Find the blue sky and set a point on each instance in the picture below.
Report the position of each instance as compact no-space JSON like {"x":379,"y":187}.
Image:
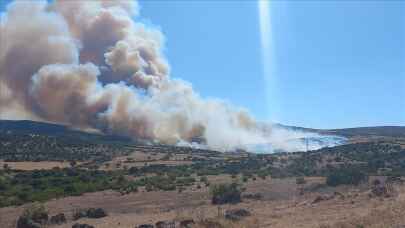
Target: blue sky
{"x":335,"y":63}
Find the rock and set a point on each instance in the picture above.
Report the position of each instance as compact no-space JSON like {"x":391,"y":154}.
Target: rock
{"x":96,"y":213}
{"x":186,"y":223}
{"x":145,"y":226}
{"x":165,"y":224}
{"x":24,"y":222}
{"x":58,"y":219}
{"x":77,"y":225}
{"x":236,"y":214}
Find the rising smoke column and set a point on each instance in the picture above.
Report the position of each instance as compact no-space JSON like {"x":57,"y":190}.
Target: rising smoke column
{"x":88,"y":64}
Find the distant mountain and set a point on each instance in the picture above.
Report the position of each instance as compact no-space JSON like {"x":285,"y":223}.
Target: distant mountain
{"x":31,"y":127}
{"x":385,"y":131}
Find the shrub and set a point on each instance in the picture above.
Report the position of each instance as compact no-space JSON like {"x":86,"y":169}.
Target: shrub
{"x":58,"y":219}
{"x":225,"y":193}
{"x":96,"y":213}
{"x":133,"y":170}
{"x":204,"y":179}
{"x":300,"y":180}
{"x":3,"y":184}
{"x":349,"y":176}
{"x":186,"y":181}
{"x":149,"y":187}
{"x":33,"y":216}
{"x":79,"y":213}
{"x":245,"y":179}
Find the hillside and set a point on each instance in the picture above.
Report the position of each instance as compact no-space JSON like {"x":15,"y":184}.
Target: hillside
{"x":36,"y":141}
{"x":26,"y":127}
{"x":387,"y":131}
{"x":70,"y":170}
{"x":382,"y":131}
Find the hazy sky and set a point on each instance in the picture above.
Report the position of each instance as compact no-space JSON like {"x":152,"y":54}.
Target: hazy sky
{"x":335,"y":64}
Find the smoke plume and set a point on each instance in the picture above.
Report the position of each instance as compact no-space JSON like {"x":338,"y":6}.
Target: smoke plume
{"x":89,"y":64}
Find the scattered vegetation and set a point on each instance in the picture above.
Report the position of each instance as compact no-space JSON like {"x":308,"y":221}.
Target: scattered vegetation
{"x":34,"y":216}
{"x":51,"y":148}
{"x":347,"y":176}
{"x":346,"y":164}
{"x":225,"y":193}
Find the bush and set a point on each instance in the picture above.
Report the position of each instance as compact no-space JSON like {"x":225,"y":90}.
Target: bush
{"x":245,"y":179}
{"x":133,"y":171}
{"x":300,"y":180}
{"x":186,"y":181}
{"x":347,"y":176}
{"x":149,"y":187}
{"x":36,"y":212}
{"x":79,"y":213}
{"x":204,"y":179}
{"x":89,"y":213}
{"x":96,"y":213}
{"x":225,"y":193}
{"x":33,"y":216}
{"x":58,"y":219}
{"x":3,"y":184}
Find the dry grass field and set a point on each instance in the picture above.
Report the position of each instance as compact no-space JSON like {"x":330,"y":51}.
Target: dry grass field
{"x":146,"y":195}
{"x":28,"y":165}
{"x":282,"y":206}
{"x":139,"y":158}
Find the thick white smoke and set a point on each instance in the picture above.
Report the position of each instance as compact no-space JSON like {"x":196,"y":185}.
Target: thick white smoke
{"x":88,"y":64}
